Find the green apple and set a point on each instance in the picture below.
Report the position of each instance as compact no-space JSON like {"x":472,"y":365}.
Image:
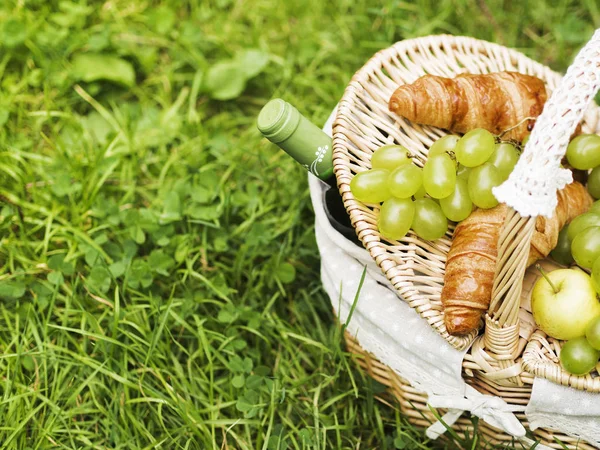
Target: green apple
{"x":564,"y":302}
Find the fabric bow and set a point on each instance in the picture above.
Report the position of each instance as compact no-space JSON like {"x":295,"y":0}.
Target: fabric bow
{"x":493,"y":410}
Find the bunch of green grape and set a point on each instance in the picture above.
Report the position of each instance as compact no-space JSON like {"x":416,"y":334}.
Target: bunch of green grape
{"x":459,"y":174}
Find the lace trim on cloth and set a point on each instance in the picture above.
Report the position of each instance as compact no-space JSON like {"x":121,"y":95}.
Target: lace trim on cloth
{"x":531,"y":187}
{"x":573,"y":426}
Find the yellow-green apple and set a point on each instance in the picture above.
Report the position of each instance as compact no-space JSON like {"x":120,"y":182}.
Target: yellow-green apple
{"x":563,"y":303}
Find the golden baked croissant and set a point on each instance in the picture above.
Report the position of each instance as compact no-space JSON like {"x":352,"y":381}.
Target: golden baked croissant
{"x":495,"y":101}
{"x":471,"y":261}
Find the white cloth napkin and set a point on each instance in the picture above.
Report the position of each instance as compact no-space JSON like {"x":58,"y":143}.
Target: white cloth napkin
{"x":565,"y":409}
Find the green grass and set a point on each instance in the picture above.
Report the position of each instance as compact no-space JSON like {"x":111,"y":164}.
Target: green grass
{"x":158,"y":269}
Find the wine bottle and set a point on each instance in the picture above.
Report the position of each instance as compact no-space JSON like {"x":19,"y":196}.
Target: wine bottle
{"x":310,"y":146}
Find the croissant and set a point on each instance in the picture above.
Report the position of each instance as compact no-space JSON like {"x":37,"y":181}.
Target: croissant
{"x":471,"y":261}
{"x":495,"y":101}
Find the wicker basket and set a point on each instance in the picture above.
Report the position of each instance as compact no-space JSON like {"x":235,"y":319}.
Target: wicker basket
{"x":505,"y":358}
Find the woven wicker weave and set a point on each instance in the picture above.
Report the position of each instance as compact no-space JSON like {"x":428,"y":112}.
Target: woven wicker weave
{"x":495,"y":362}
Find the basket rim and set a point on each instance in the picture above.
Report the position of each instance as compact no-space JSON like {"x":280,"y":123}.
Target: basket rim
{"x":372,"y":241}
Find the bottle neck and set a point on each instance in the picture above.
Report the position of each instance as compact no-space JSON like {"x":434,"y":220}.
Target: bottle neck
{"x":283,"y":125}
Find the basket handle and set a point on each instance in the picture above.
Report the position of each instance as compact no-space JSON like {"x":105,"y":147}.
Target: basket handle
{"x":531,"y":187}
{"x":531,"y":190}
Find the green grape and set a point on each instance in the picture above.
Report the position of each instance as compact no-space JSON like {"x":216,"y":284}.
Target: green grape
{"x":420,"y":193}
{"x":596,"y":275}
{"x":562,"y":252}
{"x":525,"y":141}
{"x":463,"y":172}
{"x":583,"y":221}
{"x":439,"y":176}
{"x":405,"y":181}
{"x":592,"y":332}
{"x":443,"y":145}
{"x":583,"y":152}
{"x":595,"y":208}
{"x":389,"y":157}
{"x":593,"y":183}
{"x":585,"y":248}
{"x":395,"y":217}
{"x":578,"y":357}
{"x":371,"y":186}
{"x":481,"y":181}
{"x":504,"y":158}
{"x":429,"y":221}
{"x":458,"y":205}
{"x":475,"y":147}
